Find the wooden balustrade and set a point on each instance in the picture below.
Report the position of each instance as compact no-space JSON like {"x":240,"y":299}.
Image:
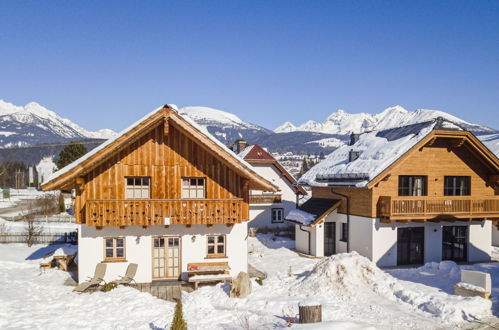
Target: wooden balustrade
{"x":422,"y":207}
{"x":265,"y":199}
{"x":150,"y":212}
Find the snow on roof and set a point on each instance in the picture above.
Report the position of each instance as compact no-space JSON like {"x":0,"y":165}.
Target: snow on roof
{"x":96,"y":150}
{"x":297,"y":215}
{"x":376,"y":151}
{"x":245,"y":152}
{"x":491,"y":142}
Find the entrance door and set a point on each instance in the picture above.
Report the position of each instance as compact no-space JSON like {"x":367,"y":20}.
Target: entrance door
{"x":455,"y":243}
{"x":410,"y":246}
{"x":166,"y":257}
{"x":329,"y":238}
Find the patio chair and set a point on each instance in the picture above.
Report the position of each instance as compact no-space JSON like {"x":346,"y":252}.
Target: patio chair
{"x":129,"y":276}
{"x":100,"y":271}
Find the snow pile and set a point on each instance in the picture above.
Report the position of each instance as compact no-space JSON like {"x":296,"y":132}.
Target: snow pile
{"x":300,"y":216}
{"x":350,"y":274}
{"x":67,"y":250}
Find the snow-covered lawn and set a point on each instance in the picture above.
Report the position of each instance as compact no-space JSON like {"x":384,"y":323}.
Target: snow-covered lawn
{"x":355,"y":294}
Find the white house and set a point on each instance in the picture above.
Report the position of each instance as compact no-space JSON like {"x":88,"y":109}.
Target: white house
{"x":267,"y":209}
{"x":409,"y":195}
{"x":163,"y":194}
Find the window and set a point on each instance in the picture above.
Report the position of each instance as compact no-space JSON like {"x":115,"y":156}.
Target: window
{"x":344,"y":232}
{"x":114,"y":249}
{"x":138,"y":187}
{"x":457,"y":186}
{"x":410,"y":185}
{"x":216,"y":246}
{"x":277,"y":215}
{"x":193,"y":188}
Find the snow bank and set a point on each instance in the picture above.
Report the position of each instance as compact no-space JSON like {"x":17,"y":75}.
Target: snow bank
{"x":349,"y":274}
{"x":300,"y":216}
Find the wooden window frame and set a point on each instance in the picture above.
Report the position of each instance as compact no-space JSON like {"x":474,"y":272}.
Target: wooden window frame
{"x":343,"y":232}
{"x":190,"y":189}
{"x":272,"y":219}
{"x":408,"y":188}
{"x":216,"y":255}
{"x":468,"y":182}
{"x":114,"y":258}
{"x":142,"y":185}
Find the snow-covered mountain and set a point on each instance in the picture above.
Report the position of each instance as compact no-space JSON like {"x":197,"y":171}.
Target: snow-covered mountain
{"x":225,"y":126}
{"x":341,"y":122}
{"x":33,"y":124}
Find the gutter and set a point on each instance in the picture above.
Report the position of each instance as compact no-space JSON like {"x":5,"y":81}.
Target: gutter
{"x":348,"y":216}
{"x":300,"y":225}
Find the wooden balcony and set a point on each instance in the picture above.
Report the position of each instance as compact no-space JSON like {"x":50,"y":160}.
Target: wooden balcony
{"x":265,"y":199}
{"x":425,"y":207}
{"x":150,"y":212}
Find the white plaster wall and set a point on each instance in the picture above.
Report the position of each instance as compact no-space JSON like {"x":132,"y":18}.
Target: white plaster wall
{"x":301,"y":239}
{"x":260,"y":214}
{"x":138,"y":248}
{"x":480,"y":241}
{"x":495,"y":236}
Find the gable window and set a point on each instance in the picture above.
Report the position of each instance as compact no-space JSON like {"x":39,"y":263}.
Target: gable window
{"x":344,"y":232}
{"x":137,"y":187}
{"x":216,"y":246}
{"x":412,"y":185}
{"x":114,"y":248}
{"x":277,"y":215}
{"x":457,"y":185}
{"x":193,"y":188}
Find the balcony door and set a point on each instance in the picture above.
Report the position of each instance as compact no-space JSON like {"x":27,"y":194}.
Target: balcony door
{"x":166,"y":258}
{"x":455,"y":243}
{"x":410,"y":246}
{"x":329,"y":238}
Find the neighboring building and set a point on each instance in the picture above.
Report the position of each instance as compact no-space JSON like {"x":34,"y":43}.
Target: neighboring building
{"x":267,"y":208}
{"x":407,"y":195}
{"x":162,"y":194}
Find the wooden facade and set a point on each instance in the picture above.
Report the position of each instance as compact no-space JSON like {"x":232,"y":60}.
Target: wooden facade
{"x":165,"y":149}
{"x":442,"y":153}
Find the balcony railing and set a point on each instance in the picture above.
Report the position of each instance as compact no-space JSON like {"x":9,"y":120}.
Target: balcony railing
{"x":145,"y":212}
{"x":265,"y":199}
{"x":425,"y":207}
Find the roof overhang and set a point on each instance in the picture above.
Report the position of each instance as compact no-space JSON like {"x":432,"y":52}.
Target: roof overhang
{"x":66,"y":178}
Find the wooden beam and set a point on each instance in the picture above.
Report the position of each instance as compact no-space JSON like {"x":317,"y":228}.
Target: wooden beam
{"x":188,"y":226}
{"x":98,"y":227}
{"x":122,"y":227}
{"x":385,"y":220}
{"x":434,"y":220}
{"x":167,"y":226}
{"x":230,"y":225}
{"x":419,"y":220}
{"x":144,"y":227}
{"x":209,"y":225}
{"x":166,"y":126}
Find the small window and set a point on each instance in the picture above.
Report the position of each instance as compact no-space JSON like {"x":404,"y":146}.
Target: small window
{"x":216,"y":245}
{"x":137,"y":187}
{"x":114,"y":248}
{"x":411,"y":185}
{"x":193,"y":188}
{"x":344,"y":232}
{"x":457,"y":186}
{"x":277,"y":215}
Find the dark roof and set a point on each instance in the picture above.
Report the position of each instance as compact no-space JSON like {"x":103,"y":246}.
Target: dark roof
{"x":318,"y":206}
{"x":257,"y":153}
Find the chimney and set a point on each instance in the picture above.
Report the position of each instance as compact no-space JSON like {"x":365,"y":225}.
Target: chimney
{"x":353,"y":155}
{"x":354,"y":138}
{"x":240,"y":145}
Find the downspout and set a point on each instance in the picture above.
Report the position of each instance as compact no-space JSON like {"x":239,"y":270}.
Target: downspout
{"x":348,"y":216}
{"x":306,"y":231}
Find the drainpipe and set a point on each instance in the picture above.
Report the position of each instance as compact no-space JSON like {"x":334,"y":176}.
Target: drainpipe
{"x":348,"y":215}
{"x":306,"y":231}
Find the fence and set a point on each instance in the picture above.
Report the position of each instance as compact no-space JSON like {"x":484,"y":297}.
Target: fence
{"x":71,"y":237}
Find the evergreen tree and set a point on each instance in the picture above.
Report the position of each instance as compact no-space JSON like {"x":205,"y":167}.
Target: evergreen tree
{"x":304,"y":167}
{"x":13,"y":174}
{"x":70,"y":153}
{"x":178,"y":322}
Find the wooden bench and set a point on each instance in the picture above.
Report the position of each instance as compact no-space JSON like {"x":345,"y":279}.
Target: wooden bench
{"x":203,"y":272}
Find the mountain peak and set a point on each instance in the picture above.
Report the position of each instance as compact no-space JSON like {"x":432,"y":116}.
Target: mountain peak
{"x":285,"y":128}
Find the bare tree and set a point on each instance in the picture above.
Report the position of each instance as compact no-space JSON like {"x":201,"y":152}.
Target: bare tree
{"x":32,"y":228}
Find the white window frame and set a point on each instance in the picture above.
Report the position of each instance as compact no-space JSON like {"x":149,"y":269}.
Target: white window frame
{"x":277,"y":215}
{"x":140,"y":187}
{"x":194,"y":187}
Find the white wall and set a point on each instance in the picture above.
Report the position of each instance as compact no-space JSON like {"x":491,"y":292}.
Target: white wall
{"x":138,"y":248}
{"x":260,"y":214}
{"x":495,"y":236}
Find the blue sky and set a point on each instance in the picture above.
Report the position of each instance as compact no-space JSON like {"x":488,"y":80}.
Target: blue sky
{"x":106,"y":63}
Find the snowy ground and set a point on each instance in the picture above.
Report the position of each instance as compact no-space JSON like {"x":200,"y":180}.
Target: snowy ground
{"x":18,"y":227}
{"x":354,"y":293}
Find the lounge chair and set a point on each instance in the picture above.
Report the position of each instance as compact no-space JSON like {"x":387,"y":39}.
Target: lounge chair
{"x":100,"y":271}
{"x":130,"y":274}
